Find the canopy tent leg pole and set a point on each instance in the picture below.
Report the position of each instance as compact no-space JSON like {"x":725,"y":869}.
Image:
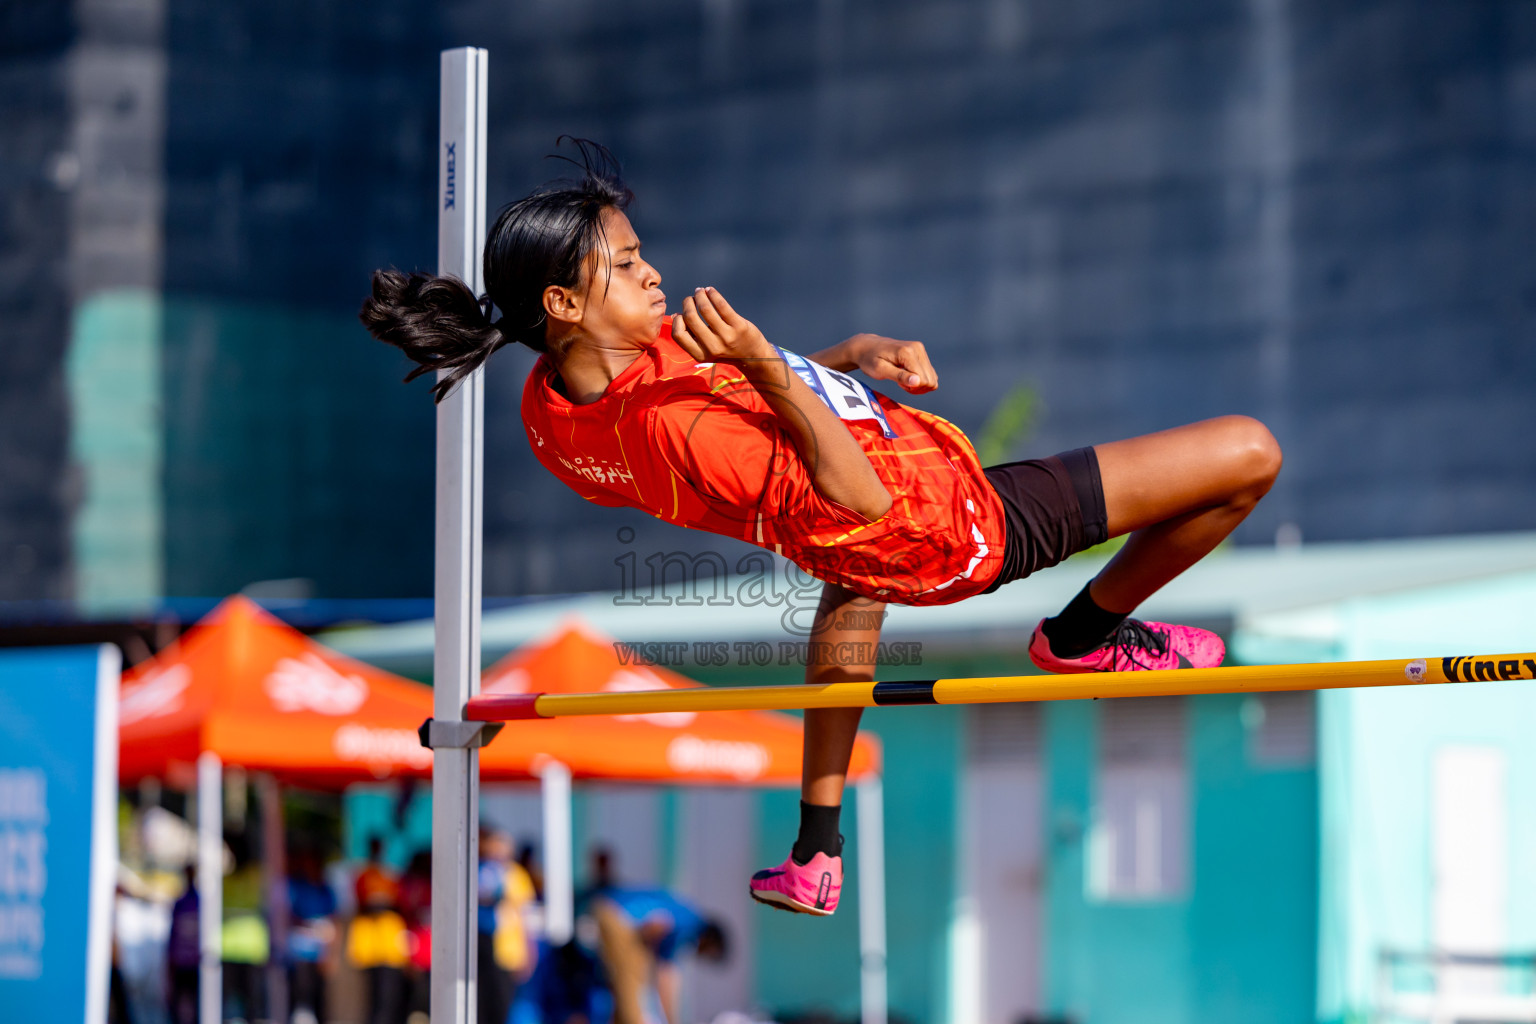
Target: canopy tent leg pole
{"x":210,"y":887}
{"x":559,"y":881}
{"x":104,"y":848}
{"x":456,"y":589}
{"x":871,"y":837}
{"x":275,"y":871}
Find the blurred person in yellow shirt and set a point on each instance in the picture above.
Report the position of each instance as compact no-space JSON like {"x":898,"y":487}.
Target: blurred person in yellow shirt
{"x":377,"y":941}
{"x":514,"y":945}
{"x":505,"y":955}
{"x":245,"y":943}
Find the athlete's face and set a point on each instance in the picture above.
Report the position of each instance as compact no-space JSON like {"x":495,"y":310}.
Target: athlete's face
{"x":624,"y":300}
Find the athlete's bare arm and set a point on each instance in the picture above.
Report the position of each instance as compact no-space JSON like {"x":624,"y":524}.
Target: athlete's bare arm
{"x":881,"y":358}
{"x":710,"y":330}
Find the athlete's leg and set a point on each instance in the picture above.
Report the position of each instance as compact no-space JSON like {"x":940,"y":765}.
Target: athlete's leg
{"x":1179,"y":493}
{"x":844,"y":639}
{"x":846,"y":625}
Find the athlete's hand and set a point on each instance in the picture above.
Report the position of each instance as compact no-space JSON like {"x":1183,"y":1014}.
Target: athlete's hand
{"x":711,"y":331}
{"x":905,"y":362}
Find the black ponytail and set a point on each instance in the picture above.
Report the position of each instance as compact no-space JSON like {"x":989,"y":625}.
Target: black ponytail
{"x":541,"y":240}
{"x":437,"y":321}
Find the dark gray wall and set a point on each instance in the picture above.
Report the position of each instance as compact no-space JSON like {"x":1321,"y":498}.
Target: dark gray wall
{"x":34,"y":300}
{"x":299,"y":156}
{"x":1415,"y":285}
{"x":1151,"y":211}
{"x":1319,"y":214}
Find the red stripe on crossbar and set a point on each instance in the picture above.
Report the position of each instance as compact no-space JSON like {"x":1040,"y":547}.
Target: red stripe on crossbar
{"x":502,"y":707}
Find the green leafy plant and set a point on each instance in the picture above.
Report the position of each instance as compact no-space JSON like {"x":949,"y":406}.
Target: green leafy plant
{"x":1009,"y":423}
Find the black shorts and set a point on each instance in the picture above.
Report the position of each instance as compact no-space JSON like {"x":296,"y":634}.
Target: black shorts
{"x":1053,"y":507}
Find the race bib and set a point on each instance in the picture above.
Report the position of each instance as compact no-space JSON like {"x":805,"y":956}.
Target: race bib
{"x":850,"y":399}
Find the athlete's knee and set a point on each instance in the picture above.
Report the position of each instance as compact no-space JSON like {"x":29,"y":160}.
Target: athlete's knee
{"x":1254,"y":453}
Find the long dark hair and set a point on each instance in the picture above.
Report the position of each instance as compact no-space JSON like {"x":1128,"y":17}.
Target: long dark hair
{"x":541,"y":240}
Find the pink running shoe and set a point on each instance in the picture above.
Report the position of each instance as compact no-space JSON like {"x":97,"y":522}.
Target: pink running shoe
{"x":1136,"y":647}
{"x":802,"y":888}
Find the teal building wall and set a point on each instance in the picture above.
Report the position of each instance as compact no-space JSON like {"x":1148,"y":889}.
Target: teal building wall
{"x":1240,"y":945}
{"x":1377,"y":750}
{"x":1253,"y":918}
{"x":1102,"y":962}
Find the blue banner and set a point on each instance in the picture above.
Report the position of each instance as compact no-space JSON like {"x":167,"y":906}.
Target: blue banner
{"x":58,"y":837}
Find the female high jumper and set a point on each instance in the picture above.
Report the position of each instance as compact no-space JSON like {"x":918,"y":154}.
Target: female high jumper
{"x":699,"y":420}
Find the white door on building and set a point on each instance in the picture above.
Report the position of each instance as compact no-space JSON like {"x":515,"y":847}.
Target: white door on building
{"x":1138,"y":843}
{"x":1470,"y":844}
{"x":996,"y":965}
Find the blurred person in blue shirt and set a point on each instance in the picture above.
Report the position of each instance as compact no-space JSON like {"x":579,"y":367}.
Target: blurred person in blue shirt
{"x":641,"y":933}
{"x":563,"y":989}
{"x":183,"y":952}
{"x":311,"y":934}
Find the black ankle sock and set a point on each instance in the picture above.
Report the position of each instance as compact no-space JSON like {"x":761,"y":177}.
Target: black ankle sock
{"x":1081,"y":626}
{"x":818,"y":833}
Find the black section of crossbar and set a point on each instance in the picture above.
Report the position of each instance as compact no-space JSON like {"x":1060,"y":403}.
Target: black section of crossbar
{"x":907,"y":691}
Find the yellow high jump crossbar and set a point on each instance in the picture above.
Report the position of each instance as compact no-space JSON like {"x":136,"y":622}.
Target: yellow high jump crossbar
{"x":504,"y":707}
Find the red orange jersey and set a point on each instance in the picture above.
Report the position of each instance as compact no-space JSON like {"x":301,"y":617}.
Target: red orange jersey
{"x":695,"y":444}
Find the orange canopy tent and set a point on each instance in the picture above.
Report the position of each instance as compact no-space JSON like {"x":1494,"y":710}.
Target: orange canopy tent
{"x":247,"y":687}
{"x":759,"y":748}
{"x":243,"y":688}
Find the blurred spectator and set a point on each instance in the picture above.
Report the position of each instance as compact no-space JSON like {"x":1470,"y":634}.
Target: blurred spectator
{"x":375,"y":885}
{"x":141,"y":924}
{"x":183,"y":952}
{"x":415,"y":889}
{"x":641,"y":932}
{"x":311,"y":935}
{"x":563,"y":986}
{"x":119,"y":1005}
{"x":600,"y":875}
{"x":378,"y":946}
{"x":515,"y":946}
{"x":416,"y":909}
{"x":245,"y":944}
{"x":505,"y":892}
{"x":528,"y":859}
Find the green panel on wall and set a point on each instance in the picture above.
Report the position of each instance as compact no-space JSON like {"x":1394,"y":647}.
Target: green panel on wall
{"x":292,"y":452}
{"x":117,"y":448}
